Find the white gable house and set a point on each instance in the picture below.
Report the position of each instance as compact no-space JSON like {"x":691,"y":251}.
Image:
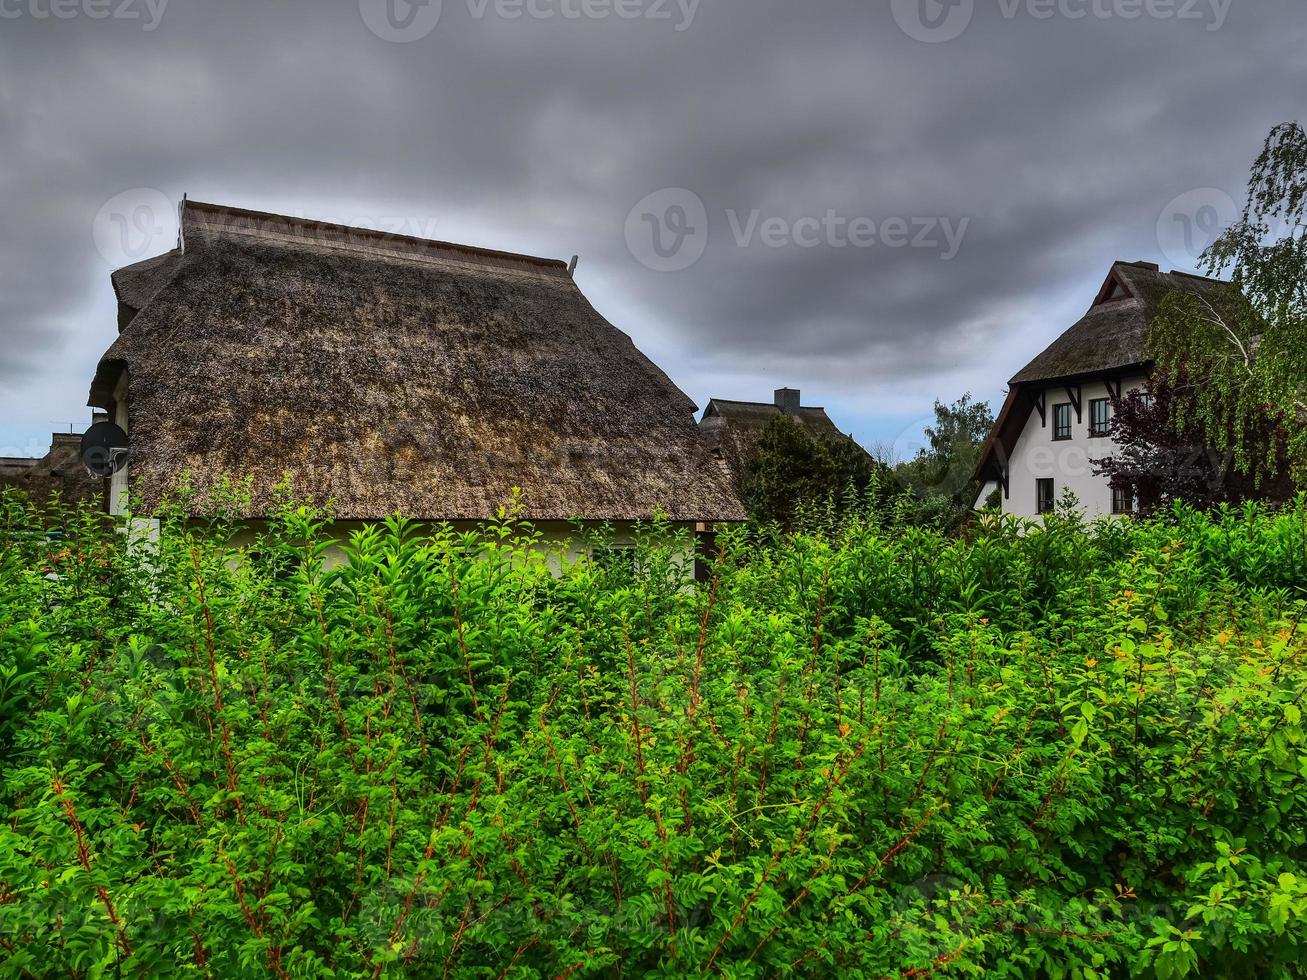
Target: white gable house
{"x":1057,"y":418}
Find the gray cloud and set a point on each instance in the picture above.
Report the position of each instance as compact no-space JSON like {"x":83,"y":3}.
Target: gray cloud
{"x":1061,"y":140}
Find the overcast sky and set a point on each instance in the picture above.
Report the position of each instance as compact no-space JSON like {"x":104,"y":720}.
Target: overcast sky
{"x":881,"y":202}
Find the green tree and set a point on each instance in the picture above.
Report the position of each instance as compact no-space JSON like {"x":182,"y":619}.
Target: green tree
{"x":796,"y":470}
{"x":1158,"y":464}
{"x":1246,"y":354}
{"x":945,"y":468}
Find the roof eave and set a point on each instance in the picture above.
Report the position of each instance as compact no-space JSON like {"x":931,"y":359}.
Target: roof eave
{"x":1081,"y":377}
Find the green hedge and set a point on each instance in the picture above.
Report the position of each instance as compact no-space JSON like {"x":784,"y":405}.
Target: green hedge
{"x":1074,"y":751}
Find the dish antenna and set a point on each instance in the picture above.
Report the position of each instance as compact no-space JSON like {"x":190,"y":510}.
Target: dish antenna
{"x":104,"y":449}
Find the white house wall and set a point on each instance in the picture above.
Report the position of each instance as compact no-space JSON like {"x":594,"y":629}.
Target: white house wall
{"x":118,"y":482}
{"x":558,"y":540}
{"x":1068,"y":462}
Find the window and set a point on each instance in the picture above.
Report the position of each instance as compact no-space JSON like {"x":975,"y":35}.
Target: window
{"x":1044,"y":496}
{"x":1062,"y":421}
{"x":1100,"y":418}
{"x":1123,"y":501}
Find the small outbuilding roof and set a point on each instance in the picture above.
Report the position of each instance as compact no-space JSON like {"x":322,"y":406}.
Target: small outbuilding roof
{"x":393,"y":374}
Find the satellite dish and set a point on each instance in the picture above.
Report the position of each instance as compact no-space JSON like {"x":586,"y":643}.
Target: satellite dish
{"x":104,"y":449}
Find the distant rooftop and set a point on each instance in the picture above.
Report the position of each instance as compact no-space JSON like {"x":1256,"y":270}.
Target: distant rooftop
{"x":733,"y":429}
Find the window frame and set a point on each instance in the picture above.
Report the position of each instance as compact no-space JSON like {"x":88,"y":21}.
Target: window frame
{"x":1105,"y":432}
{"x":1120,"y":496}
{"x":1070,"y":422}
{"x":1040,"y":507}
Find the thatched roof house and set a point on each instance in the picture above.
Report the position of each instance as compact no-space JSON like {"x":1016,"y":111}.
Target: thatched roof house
{"x":391,"y":374}
{"x":734,"y":429}
{"x":1053,"y":399}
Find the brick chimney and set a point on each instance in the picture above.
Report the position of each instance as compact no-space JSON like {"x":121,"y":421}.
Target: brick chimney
{"x":787,"y":400}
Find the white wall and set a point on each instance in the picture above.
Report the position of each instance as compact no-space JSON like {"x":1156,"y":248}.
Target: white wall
{"x":1067,"y":462}
{"x":558,"y":539}
{"x":118,"y":482}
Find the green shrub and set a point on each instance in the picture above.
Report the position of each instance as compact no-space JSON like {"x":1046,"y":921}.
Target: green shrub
{"x":1071,"y":752}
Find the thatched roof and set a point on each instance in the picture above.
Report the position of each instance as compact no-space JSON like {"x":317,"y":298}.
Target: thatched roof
{"x":392,"y":374}
{"x":733,"y":429}
{"x":1108,"y":341}
{"x":1110,"y":337}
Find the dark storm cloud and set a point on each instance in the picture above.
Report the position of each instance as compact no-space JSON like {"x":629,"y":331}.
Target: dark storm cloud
{"x":1059,"y":140}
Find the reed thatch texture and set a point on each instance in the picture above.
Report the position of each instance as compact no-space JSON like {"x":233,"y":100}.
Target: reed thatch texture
{"x":390,"y":374}
{"x":1111,"y":336}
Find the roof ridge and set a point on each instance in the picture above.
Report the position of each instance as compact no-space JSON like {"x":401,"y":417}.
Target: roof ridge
{"x":737,"y":401}
{"x":1196,"y":276}
{"x":270,"y":225}
{"x":1154,"y":267}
